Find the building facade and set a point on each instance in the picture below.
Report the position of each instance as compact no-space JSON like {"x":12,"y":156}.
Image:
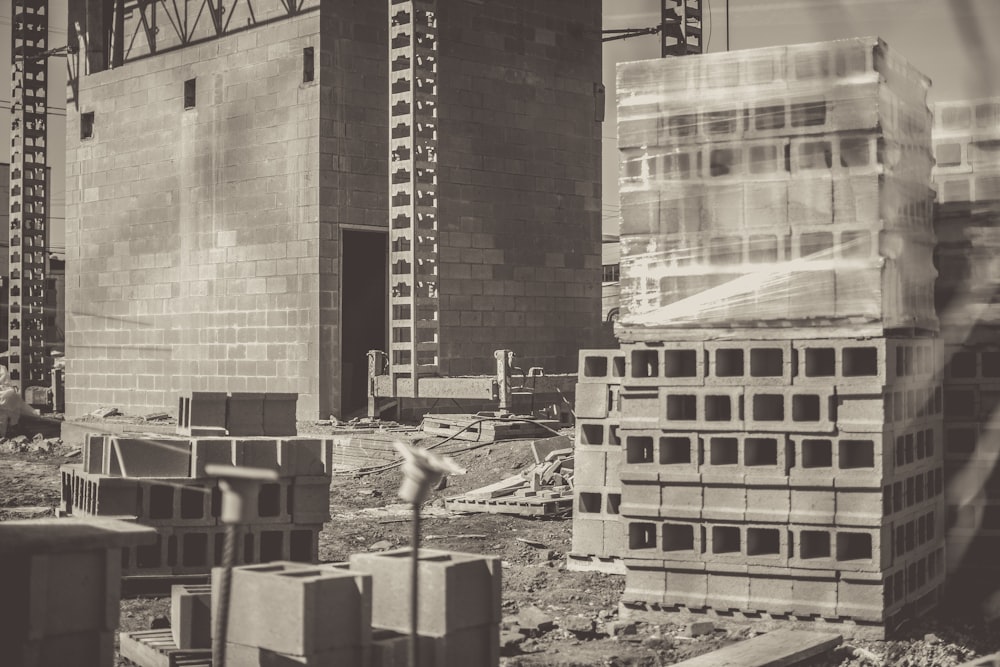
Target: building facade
{"x":228,"y":199}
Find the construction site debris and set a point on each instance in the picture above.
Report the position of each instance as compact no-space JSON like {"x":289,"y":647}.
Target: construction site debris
{"x":545,"y":489}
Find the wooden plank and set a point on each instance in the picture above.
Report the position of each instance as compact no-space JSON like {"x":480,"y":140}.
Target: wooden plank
{"x":781,"y":648}
{"x":504,"y":487}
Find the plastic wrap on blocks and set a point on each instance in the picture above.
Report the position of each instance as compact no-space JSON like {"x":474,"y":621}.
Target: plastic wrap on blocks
{"x":457,"y":590}
{"x":659,"y":92}
{"x":311,"y":609}
{"x":772,"y":190}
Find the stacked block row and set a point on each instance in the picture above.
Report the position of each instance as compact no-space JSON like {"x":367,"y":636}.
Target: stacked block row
{"x":61,"y":582}
{"x":793,"y":186}
{"x":161,"y":482}
{"x":967,"y":216}
{"x":597,"y":528}
{"x":354,"y":613}
{"x":750,"y":465}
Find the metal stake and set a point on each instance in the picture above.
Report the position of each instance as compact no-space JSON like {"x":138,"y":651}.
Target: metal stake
{"x":240,"y":490}
{"x":414,"y":590}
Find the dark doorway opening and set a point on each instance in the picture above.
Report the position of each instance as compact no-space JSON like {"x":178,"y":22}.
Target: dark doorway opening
{"x":364,"y":308}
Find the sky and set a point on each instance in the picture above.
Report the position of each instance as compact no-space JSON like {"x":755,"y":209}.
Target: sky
{"x":951,"y":41}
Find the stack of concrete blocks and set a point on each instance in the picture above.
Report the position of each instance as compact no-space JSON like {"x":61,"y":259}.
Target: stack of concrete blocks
{"x":160,"y":481}
{"x":967,"y":224}
{"x":354,"y":613}
{"x":598,"y":534}
{"x":779,"y":417}
{"x":61,"y":583}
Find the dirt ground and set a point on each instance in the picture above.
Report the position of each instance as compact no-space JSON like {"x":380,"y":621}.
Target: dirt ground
{"x":582,"y":608}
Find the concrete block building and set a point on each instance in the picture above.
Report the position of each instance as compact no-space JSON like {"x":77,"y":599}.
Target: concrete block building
{"x":228,"y":197}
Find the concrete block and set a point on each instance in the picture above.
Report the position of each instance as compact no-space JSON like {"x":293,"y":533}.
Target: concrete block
{"x":391,"y":649}
{"x":814,"y":506}
{"x":588,"y":535}
{"x":766,"y":503}
{"x":640,"y":409}
{"x":789,"y":410}
{"x":310,"y":499}
{"x":773,"y":594}
{"x":642,"y":539}
{"x":861,"y":599}
{"x":305,"y":456}
{"x":592,"y":400}
{"x":754,"y":362}
{"x":686,"y":585}
{"x":200,"y":409}
{"x":191,"y":616}
{"x":641,"y":498}
{"x":93,"y":452}
{"x":665,"y":364}
{"x":724,"y":503}
{"x":152,"y":457}
{"x":680,"y":501}
{"x":457,"y":590}
{"x":589,"y":467}
{"x":614,"y":538}
{"x":257,"y":452}
{"x":815,"y":596}
{"x":601,"y":366}
{"x":77,"y":648}
{"x":100,"y":495}
{"x":311,"y":609}
{"x":602,"y":433}
{"x":645,"y":581}
{"x":469,"y":646}
{"x":279,"y":414}
{"x":702,"y":408}
{"x":859,"y":507}
{"x":205,"y":451}
{"x":728,"y":591}
{"x":682,"y":541}
{"x":238,"y":655}
{"x":245,"y":414}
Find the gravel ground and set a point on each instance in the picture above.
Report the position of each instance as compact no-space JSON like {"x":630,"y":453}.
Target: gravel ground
{"x":553,"y":617}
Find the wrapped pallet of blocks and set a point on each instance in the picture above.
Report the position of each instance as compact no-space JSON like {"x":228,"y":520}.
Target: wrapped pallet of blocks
{"x":777,"y":420}
{"x":967,"y":222}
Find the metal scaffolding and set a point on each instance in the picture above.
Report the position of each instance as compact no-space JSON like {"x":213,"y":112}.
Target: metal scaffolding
{"x":28,"y":363}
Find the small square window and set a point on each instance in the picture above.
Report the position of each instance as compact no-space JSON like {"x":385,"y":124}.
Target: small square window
{"x":189,"y":94}
{"x":86,"y":125}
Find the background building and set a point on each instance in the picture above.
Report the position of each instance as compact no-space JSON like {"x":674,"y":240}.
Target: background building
{"x":228,"y":208}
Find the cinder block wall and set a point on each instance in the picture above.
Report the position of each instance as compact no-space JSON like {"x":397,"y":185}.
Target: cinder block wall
{"x":519,"y":181}
{"x":193,"y":234}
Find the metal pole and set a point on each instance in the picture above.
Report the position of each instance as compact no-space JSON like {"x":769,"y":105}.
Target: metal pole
{"x":222,"y":616}
{"x":414,"y":590}
{"x":727,"y":25}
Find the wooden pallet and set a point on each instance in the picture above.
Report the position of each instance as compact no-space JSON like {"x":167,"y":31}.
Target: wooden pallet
{"x":156,"y":648}
{"x":586,"y":563}
{"x":545,"y":503}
